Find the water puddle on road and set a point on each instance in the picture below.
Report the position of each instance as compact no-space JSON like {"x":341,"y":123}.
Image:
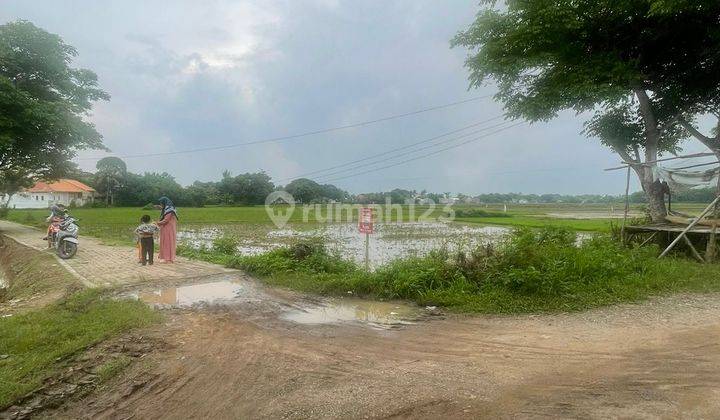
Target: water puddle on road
{"x":382,"y":315}
{"x":234,"y":292}
{"x":216,"y":292}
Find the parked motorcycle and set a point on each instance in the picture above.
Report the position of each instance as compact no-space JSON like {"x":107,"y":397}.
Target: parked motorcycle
{"x":63,"y":236}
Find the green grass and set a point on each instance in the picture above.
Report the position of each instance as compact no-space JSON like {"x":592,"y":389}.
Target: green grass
{"x":116,"y":225}
{"x":39,"y":342}
{"x":534,"y":271}
{"x":590,"y":225}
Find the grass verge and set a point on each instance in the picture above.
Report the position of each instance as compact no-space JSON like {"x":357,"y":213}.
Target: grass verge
{"x":586,"y":225}
{"x":35,"y":344}
{"x":533,"y":271}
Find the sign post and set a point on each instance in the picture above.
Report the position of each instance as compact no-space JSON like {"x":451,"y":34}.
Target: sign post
{"x":365,"y":225}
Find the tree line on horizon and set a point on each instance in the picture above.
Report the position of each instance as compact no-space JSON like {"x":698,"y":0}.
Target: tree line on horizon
{"x":118,"y":187}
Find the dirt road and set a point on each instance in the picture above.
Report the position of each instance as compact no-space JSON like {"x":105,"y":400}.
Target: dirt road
{"x":244,"y":359}
{"x":657,"y":360}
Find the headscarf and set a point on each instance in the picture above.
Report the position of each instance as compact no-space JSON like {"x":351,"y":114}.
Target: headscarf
{"x":168,"y":207}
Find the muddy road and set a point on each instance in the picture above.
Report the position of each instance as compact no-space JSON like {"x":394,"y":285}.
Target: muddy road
{"x":247,"y":356}
{"x":233,"y":348}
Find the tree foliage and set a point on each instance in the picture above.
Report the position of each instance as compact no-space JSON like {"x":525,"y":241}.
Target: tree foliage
{"x":308,"y":191}
{"x":111,"y":172}
{"x":638,"y":66}
{"x":248,"y":188}
{"x":43,"y":104}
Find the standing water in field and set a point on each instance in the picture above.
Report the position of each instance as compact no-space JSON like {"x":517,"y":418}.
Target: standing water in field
{"x":389,"y":242}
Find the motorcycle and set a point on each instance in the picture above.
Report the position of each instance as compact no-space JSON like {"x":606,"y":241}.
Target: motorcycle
{"x":63,"y":236}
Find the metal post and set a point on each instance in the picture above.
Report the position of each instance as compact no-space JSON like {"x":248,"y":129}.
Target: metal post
{"x":367,"y":252}
{"x":690,"y":226}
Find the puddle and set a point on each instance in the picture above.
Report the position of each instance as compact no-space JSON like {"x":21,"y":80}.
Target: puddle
{"x":206,"y":293}
{"x":382,"y":315}
{"x":231,"y":291}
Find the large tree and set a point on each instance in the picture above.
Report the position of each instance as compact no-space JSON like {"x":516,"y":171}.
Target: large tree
{"x":247,"y":188}
{"x":43,"y":105}
{"x":643,"y":69}
{"x":110,"y":176}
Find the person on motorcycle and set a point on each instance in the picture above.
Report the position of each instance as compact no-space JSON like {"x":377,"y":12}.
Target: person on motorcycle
{"x":57,"y":214}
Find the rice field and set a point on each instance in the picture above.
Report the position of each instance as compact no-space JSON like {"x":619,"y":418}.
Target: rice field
{"x":404,"y":232}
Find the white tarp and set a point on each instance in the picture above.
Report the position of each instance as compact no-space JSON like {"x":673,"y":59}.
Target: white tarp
{"x":685,"y":179}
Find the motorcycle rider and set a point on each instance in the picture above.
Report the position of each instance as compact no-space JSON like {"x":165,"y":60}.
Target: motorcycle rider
{"x":57,"y":214}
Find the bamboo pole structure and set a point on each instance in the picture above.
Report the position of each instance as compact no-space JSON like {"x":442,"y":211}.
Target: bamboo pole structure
{"x":650,"y":162}
{"x":627,"y":205}
{"x":694,"y":251}
{"x":695,"y":166}
{"x":690,"y":226}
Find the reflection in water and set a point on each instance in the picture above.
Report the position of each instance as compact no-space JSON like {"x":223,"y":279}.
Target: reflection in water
{"x":197,"y":293}
{"x":390,"y":241}
{"x":330,"y":311}
{"x":378,"y":314}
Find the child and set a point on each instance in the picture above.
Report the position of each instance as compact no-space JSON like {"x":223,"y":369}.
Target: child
{"x":145,"y":234}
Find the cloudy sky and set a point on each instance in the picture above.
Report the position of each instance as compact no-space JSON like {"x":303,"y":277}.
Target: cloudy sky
{"x":190,"y":74}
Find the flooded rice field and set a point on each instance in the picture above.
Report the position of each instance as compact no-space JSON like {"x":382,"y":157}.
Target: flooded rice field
{"x":237,"y":291}
{"x":389,"y":242}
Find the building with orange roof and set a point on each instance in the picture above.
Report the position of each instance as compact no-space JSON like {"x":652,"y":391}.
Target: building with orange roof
{"x":68,"y":192}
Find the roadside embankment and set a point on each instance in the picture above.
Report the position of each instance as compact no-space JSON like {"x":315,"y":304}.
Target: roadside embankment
{"x":48,"y":320}
{"x":32,"y":279}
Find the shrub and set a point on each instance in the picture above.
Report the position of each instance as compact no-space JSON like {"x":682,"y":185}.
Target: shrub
{"x":226,"y":245}
{"x":305,"y":256}
{"x":531,"y":270}
{"x":548,"y":262}
{"x":415,"y":277}
{"x":4,"y":211}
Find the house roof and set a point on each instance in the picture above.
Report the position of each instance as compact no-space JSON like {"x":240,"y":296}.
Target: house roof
{"x":61,"y":185}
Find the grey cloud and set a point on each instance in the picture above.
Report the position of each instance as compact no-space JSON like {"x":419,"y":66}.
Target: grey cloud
{"x":188,"y":74}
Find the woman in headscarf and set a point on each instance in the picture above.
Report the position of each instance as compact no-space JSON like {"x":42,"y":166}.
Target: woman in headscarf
{"x":168,"y":230}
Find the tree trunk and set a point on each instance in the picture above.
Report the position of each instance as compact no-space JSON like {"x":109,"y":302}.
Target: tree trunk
{"x":655,"y":200}
{"x":651,"y":186}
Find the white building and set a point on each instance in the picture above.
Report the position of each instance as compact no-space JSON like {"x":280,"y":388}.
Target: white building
{"x":44,"y":194}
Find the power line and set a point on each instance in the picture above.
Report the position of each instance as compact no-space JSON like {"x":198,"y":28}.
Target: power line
{"x":428,"y":154}
{"x":519,"y":171}
{"x":401,"y":148}
{"x":304,"y":134}
{"x":430,"y":146}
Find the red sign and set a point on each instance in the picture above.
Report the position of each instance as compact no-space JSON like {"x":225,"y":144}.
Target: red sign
{"x":365,"y":225}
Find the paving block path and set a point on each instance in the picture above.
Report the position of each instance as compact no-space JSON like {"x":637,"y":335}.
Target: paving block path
{"x":98,"y":265}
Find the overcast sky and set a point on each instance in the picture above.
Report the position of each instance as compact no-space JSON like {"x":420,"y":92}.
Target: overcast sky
{"x":189,"y":74}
